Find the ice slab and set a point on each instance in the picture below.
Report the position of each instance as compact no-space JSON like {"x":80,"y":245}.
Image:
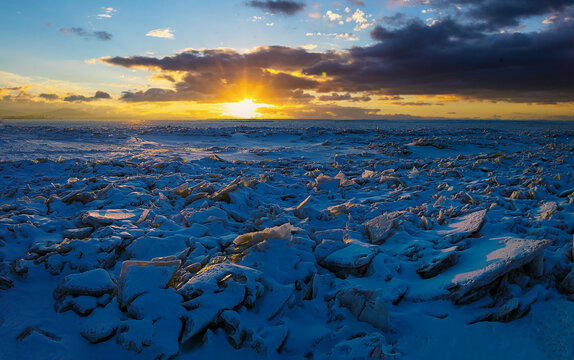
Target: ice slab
{"x":463,"y":226}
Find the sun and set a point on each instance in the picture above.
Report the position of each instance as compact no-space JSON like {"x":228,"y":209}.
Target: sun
{"x":244,"y":109}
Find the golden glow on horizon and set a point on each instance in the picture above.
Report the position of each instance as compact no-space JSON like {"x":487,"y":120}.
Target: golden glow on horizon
{"x":244,"y":109}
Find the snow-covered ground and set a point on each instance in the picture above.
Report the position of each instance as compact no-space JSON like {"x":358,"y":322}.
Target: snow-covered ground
{"x":257,"y":240}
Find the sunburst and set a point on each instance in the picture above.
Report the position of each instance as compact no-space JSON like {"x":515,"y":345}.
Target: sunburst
{"x":244,"y":109}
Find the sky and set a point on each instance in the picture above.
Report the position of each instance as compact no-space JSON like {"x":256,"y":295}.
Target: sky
{"x":347,"y":59}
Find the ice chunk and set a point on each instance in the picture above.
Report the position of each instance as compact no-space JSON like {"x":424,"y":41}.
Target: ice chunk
{"x":463,"y":226}
{"x":547,"y":209}
{"x":80,"y":233}
{"x":369,"y":346}
{"x":438,"y":264}
{"x":147,"y":248}
{"x":489,"y":259}
{"x":100,"y":326}
{"x":278,"y":232}
{"x":95,"y":282}
{"x":380,"y":228}
{"x":98,"y":218}
{"x":567,"y":284}
{"x":139,"y":277}
{"x":215,"y":288}
{"x":366,"y":305}
{"x":353,"y":258}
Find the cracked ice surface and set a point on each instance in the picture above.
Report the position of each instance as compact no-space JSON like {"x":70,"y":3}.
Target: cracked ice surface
{"x":258,"y":240}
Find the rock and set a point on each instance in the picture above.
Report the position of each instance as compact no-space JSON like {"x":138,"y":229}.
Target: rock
{"x":80,"y":233}
{"x":95,"y":283}
{"x":140,"y":277}
{"x":366,"y":305}
{"x":369,"y":346}
{"x":438,"y":264}
{"x":380,"y":228}
{"x":500,"y":256}
{"x":463,"y":226}
{"x":215,"y":288}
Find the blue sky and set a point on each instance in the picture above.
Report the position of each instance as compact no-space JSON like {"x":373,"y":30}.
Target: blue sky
{"x":58,"y":47}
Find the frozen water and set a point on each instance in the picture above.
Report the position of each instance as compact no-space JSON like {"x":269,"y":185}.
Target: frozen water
{"x":259,"y":240}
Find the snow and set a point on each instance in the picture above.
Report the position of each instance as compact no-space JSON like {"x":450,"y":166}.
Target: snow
{"x":258,"y":240}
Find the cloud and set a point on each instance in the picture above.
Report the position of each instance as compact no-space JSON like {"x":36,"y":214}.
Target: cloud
{"x":448,"y":58}
{"x":222,"y":75}
{"x":102,"y":95}
{"x":108,"y":13}
{"x":496,"y":14}
{"x":509,"y":12}
{"x":346,"y":97}
{"x":81,"y":98}
{"x":360,"y":20}
{"x":334,"y":17}
{"x":339,"y":36}
{"x":99,"y":35}
{"x":161,"y":33}
{"x":49,"y":96}
{"x":451,"y":58}
{"x":283,"y":7}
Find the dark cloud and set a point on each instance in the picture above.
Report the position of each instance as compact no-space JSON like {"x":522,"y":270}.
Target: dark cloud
{"x":398,"y":19}
{"x":81,"y":98}
{"x":451,"y":58}
{"x":414,"y":59}
{"x":99,"y":35}
{"x":49,"y":96}
{"x":347,"y":97}
{"x":497,"y":14}
{"x":102,"y":95}
{"x":223,"y":75}
{"x":509,"y":12}
{"x":221,"y":60}
{"x":278,"y":6}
